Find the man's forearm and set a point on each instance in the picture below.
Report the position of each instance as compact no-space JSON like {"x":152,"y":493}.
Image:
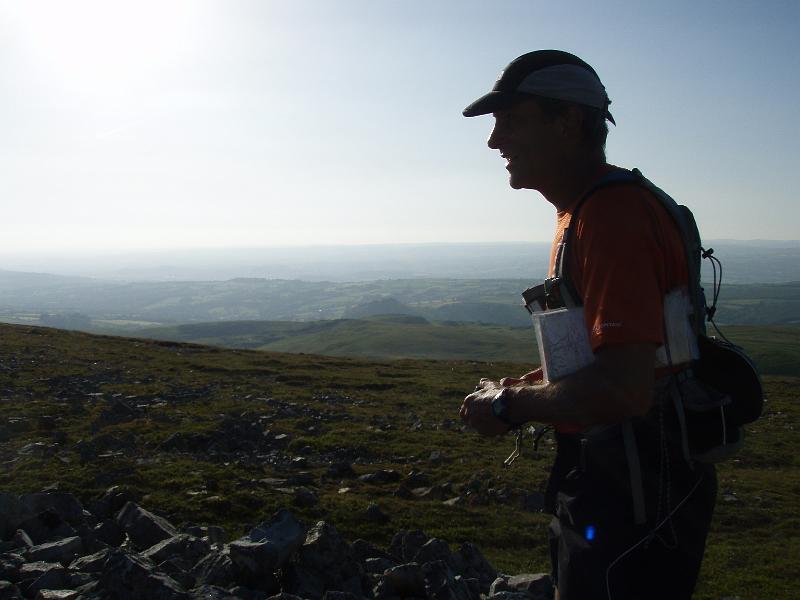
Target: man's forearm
{"x":614,"y":387}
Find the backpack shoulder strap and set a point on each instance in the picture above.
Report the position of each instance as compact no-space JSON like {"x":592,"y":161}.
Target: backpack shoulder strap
{"x":568,"y":291}
{"x":681,"y":216}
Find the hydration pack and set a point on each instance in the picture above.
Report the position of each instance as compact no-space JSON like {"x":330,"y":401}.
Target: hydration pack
{"x":720,"y":390}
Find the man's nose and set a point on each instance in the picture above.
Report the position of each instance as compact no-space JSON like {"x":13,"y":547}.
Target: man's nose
{"x":494,"y":139}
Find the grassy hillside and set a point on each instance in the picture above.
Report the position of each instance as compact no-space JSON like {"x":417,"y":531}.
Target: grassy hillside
{"x":776,"y":349}
{"x":389,"y":336}
{"x":205,"y":435}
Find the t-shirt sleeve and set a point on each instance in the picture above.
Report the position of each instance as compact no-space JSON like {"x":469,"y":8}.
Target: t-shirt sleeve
{"x":619,"y":261}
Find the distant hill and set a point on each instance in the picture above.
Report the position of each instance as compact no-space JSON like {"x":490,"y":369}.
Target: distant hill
{"x":776,"y":350}
{"x":116,"y":306}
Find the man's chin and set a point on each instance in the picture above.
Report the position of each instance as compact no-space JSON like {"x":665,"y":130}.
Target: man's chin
{"x":516,"y":183}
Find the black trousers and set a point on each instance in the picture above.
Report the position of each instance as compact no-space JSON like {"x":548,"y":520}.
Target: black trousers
{"x":597,"y":550}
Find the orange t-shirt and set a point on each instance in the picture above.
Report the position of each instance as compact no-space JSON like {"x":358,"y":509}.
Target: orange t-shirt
{"x":626,"y":253}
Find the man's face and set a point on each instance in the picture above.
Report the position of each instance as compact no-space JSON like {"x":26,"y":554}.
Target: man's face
{"x":531,"y":144}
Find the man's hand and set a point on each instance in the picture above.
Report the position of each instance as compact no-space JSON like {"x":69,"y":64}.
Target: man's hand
{"x":535,"y":376}
{"x":476,"y":410}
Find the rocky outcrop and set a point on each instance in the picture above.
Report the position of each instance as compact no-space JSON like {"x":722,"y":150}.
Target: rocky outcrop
{"x":54,"y":547}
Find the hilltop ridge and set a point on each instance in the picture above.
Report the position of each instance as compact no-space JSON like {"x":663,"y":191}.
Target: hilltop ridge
{"x":207,"y":436}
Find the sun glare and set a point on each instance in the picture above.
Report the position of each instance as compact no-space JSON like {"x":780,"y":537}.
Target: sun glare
{"x":102,"y":45}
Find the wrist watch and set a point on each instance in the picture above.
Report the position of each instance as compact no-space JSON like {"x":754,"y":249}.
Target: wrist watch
{"x":500,"y":406}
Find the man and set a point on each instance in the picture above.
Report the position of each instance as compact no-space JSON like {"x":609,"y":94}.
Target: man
{"x":631,"y":513}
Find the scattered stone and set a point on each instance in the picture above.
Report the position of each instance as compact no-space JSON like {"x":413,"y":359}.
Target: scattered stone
{"x":65,"y":505}
{"x":215,"y":569}
{"x":9,"y":591}
{"x":188,"y":547}
{"x":405,"y":545}
{"x":538,"y":586}
{"x":304,"y":498}
{"x":278,"y":558}
{"x":324,"y":562}
{"x":283,"y":532}
{"x":109,"y":532}
{"x":475,"y":566}
{"x":22,"y":539}
{"x":340,"y":470}
{"x":403,"y":581}
{"x":46,"y":526}
{"x":143,"y":527}
{"x":57,"y":595}
{"x":381,"y":477}
{"x":92,"y":563}
{"x":376,"y":515}
{"x":62,"y":551}
{"x":128,"y":577}
{"x":10,"y":514}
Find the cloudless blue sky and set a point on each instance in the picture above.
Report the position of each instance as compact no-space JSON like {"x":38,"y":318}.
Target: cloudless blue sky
{"x":254,"y":123}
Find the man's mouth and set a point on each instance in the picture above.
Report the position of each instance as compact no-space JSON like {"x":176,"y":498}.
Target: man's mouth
{"x":510,"y":158}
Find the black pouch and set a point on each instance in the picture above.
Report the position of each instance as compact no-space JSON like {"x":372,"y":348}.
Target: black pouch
{"x":723,"y":394}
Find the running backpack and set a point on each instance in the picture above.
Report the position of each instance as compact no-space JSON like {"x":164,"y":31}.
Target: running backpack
{"x":719,"y":392}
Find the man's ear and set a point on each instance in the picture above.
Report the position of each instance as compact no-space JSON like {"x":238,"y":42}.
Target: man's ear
{"x":571,"y":121}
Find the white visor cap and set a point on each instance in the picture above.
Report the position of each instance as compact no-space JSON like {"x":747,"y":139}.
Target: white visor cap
{"x":570,"y":83}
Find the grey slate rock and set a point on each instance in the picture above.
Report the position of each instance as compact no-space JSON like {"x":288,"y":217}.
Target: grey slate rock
{"x":404,"y":581}
{"x":375,"y":514}
{"x":109,"y":532}
{"x":9,"y":591}
{"x":340,"y":470}
{"x":10,"y":564}
{"x":378,"y":566}
{"x":33,"y":570}
{"x":283,"y":532}
{"x":10,"y":514}
{"x":177,"y":569}
{"x":381,"y":477}
{"x":143,"y":527}
{"x":22,"y":540}
{"x":405,"y":544}
{"x":57,"y":595}
{"x":538,"y":586}
{"x":442,"y":584}
{"x":188,"y":547}
{"x":438,"y":550}
{"x":54,"y":578}
{"x":128,"y":577}
{"x":46,"y":526}
{"x":212,"y":534}
{"x":91,"y":563}
{"x":215,"y":569}
{"x":65,"y":505}
{"x":364,"y":550}
{"x":210,"y":592}
{"x":62,"y":551}
{"x":255,"y":562}
{"x":475,"y":566}
{"x":324,"y":562}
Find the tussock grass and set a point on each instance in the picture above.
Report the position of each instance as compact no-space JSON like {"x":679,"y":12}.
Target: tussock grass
{"x":56,"y":387}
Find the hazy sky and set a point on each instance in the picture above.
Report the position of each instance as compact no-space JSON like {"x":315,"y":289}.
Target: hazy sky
{"x":168,"y":123}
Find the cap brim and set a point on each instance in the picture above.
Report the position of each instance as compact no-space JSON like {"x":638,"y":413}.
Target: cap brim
{"x":494,"y":101}
{"x":491,"y":102}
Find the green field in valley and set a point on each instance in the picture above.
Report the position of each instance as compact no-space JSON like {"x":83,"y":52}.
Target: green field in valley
{"x":776,"y":349}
